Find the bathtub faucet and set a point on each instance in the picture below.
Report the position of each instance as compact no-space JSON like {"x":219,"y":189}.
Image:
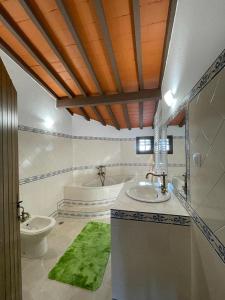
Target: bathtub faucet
{"x":163,"y":175}
{"x":101,"y":173}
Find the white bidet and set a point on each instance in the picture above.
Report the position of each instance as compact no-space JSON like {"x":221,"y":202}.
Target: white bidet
{"x":33,"y":234}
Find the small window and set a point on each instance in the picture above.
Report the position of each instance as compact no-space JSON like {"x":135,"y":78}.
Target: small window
{"x":145,"y":145}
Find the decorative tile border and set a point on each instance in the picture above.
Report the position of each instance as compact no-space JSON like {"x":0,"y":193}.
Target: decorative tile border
{"x":76,"y":137}
{"x":209,"y":235}
{"x":150,"y":217}
{"x":72,"y":214}
{"x":212,"y":71}
{"x":54,"y":214}
{"x":78,"y":168}
{"x":87,"y":203}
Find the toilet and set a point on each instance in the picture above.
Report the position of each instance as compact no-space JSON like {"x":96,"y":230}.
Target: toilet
{"x":33,"y":234}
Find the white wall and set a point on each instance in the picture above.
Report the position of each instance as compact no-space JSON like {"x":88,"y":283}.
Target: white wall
{"x":197,"y":39}
{"x":93,"y":128}
{"x":35,"y":105}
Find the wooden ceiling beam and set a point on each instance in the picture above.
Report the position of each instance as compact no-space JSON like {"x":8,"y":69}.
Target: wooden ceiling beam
{"x":81,"y":48}
{"x":15,"y":57}
{"x":113,"y":117}
{"x":169,"y":27}
{"x":78,"y":42}
{"x":99,"y":115}
{"x":84,"y":113}
{"x":181,"y":124}
{"x":135,"y":6}
{"x":80,"y":101}
{"x":107,"y":41}
{"x":6,"y":49}
{"x":126,"y":116}
{"x":141,"y":114}
{"x":6,"y":19}
{"x":34,"y":18}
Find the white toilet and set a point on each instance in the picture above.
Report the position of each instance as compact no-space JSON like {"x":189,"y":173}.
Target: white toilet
{"x":34,"y":233}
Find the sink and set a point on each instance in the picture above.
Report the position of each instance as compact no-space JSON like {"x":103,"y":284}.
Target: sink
{"x":147,"y":192}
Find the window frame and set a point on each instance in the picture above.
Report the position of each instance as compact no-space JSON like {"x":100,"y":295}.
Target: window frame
{"x":170,"y":138}
{"x":151,"y":138}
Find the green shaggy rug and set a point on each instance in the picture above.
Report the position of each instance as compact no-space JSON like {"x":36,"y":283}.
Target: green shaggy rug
{"x":84,"y":262}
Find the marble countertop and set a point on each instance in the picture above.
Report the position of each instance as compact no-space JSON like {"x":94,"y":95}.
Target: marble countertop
{"x":170,"y":207}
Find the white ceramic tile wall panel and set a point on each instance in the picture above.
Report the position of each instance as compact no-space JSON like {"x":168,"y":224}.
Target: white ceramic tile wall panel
{"x":152,"y":263}
{"x":218,"y":147}
{"x":178,"y":155}
{"x":35,"y":105}
{"x":40,"y":153}
{"x":136,"y":171}
{"x":84,"y":176}
{"x":201,"y":25}
{"x":207,"y":181}
{"x":193,"y":120}
{"x":175,"y":171}
{"x":208,"y":119}
{"x":128,"y":153}
{"x":41,"y":197}
{"x":95,"y":152}
{"x":207,"y":270}
{"x":217,"y":103}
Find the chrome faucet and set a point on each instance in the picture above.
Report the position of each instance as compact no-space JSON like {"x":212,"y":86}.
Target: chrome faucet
{"x":101,"y":174}
{"x":24,"y":215}
{"x":163,"y":175}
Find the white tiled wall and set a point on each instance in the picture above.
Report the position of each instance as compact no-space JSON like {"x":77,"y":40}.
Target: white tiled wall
{"x":41,"y":153}
{"x":95,"y":152}
{"x":207,"y":136}
{"x":207,"y":132}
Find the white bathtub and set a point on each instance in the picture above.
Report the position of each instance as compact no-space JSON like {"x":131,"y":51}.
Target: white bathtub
{"x":92,"y":190}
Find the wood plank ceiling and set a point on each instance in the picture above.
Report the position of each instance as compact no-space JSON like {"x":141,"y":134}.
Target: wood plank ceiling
{"x":110,"y":53}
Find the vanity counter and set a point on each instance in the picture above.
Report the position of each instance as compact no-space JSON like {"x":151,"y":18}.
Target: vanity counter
{"x":170,"y":207}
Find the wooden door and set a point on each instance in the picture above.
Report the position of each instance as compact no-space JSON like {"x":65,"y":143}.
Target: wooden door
{"x":10,"y":259}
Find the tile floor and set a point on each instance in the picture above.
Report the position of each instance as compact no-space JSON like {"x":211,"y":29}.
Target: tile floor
{"x":37,"y":286}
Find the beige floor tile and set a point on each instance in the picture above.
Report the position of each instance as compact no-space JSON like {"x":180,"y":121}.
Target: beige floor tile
{"x":37,"y":286}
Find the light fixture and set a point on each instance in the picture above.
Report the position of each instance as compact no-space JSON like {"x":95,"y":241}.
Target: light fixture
{"x":169,"y":98}
{"x":48,"y":123}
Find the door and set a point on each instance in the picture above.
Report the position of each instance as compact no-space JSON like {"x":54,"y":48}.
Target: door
{"x":10,"y":260}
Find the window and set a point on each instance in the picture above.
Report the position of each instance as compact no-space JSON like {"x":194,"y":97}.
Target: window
{"x":145,"y":145}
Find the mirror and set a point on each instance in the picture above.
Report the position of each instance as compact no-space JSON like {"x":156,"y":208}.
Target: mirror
{"x":177,"y":162}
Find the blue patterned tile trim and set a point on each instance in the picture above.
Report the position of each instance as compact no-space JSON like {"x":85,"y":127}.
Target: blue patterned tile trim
{"x":150,"y":217}
{"x":74,"y":214}
{"x":212,"y":71}
{"x":70,"y":169}
{"x":209,"y":235}
{"x":75,"y":137}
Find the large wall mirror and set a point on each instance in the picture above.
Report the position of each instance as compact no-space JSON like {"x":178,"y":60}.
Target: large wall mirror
{"x":178,"y":162}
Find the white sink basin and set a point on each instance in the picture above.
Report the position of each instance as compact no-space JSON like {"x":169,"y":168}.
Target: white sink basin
{"x":146,"y":192}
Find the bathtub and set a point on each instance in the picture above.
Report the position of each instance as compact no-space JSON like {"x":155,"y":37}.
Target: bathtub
{"x":94,"y":191}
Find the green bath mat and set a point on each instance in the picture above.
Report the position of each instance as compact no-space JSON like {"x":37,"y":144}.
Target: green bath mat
{"x":84,"y":262}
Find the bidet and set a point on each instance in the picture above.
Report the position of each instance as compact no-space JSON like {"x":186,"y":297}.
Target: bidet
{"x":34,"y":233}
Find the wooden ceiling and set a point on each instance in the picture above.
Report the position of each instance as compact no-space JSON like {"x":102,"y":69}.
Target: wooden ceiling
{"x":102,"y":59}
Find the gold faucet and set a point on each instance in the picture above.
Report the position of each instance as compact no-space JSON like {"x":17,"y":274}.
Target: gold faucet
{"x":163,"y":175}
